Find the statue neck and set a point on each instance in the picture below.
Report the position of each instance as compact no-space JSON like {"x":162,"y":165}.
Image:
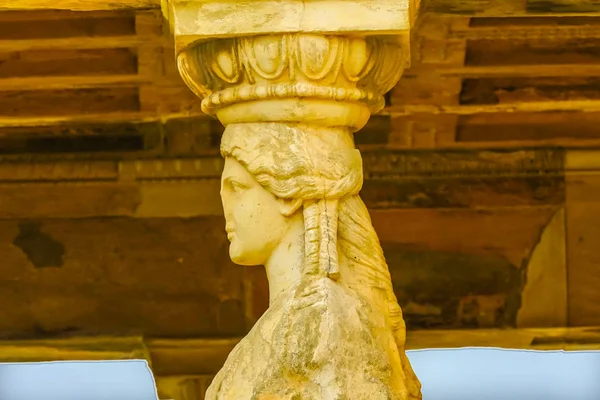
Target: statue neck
{"x":284,"y":267}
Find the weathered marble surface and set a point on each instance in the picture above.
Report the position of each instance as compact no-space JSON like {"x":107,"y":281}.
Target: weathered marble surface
{"x":334,"y":328}
{"x":291,"y":91}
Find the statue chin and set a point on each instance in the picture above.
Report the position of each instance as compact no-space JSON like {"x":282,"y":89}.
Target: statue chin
{"x":242,"y":257}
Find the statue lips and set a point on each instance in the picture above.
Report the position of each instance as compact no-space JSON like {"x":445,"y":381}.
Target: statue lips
{"x":230,"y":232}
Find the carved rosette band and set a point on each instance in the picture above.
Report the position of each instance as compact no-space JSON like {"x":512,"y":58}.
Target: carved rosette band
{"x":344,"y":77}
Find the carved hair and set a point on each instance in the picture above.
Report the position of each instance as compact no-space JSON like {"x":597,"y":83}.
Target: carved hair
{"x":322,"y":167}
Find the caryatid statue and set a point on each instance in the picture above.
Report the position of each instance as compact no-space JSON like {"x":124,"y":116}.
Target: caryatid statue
{"x":290,"y":100}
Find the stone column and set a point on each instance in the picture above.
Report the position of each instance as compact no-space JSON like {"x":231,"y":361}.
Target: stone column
{"x":291,"y":80}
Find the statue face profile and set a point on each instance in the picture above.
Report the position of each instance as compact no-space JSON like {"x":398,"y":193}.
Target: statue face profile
{"x":255,"y":218}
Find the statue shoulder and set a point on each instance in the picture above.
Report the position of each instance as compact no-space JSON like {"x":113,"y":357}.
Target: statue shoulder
{"x":321,"y":338}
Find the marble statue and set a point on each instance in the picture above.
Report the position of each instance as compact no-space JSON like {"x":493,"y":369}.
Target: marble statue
{"x":334,"y":329}
{"x":291,"y":89}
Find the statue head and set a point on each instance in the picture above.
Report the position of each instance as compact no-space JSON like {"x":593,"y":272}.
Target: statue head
{"x":277,"y":174}
{"x":256,"y":220}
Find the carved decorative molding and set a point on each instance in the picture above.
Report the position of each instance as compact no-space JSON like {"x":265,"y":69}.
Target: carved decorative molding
{"x":390,"y":164}
{"x":377,"y":164}
{"x":170,"y":170}
{"x":293,"y":66}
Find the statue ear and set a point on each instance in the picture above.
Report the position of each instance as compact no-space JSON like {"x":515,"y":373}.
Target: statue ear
{"x":289,"y":207}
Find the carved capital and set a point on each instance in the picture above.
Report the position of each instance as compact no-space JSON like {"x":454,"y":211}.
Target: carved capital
{"x":293,"y":77}
{"x":291,"y":60}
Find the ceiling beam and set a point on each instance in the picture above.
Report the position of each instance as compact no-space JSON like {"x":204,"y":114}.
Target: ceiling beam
{"x":513,"y":8}
{"x":78,"y":5}
{"x":467,"y":8}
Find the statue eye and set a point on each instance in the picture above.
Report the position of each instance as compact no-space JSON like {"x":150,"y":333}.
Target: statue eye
{"x":237,"y":186}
